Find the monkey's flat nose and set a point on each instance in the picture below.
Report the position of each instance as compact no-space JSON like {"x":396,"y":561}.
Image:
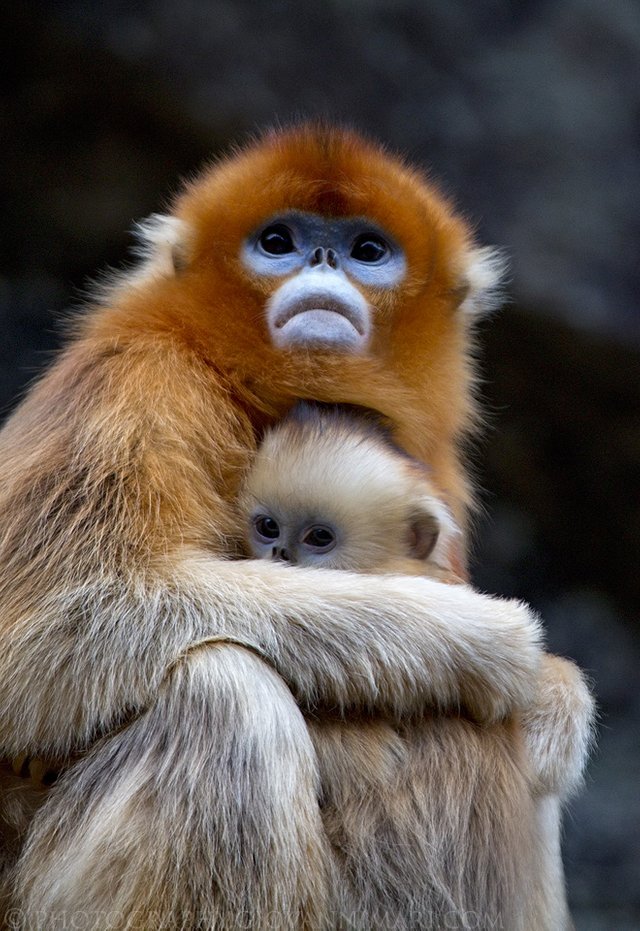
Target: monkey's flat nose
{"x":280,"y":553}
{"x":322,"y":256}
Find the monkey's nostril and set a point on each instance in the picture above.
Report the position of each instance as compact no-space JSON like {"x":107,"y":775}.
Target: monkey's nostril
{"x":332,"y":258}
{"x":318,"y":256}
{"x":274,"y":552}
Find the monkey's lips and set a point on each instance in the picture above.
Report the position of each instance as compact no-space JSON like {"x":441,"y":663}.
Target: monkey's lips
{"x":320,"y":321}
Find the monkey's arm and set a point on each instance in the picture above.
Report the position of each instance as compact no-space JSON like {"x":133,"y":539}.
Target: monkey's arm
{"x":117,"y":494}
{"x":347,"y":640}
{"x":558,"y":727}
{"x":86,"y":658}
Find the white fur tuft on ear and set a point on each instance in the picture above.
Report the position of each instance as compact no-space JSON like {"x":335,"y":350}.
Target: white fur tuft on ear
{"x":483,"y":277}
{"x":162,"y":243}
{"x":448,"y":532}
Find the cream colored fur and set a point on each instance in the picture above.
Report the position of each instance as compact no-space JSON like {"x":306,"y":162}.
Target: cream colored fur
{"x":341,"y":468}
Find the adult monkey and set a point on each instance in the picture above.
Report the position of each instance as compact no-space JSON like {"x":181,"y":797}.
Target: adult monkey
{"x":310,"y":265}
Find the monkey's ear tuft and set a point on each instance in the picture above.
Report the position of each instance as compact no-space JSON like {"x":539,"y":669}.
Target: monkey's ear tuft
{"x":163,"y":244}
{"x":482,"y":281}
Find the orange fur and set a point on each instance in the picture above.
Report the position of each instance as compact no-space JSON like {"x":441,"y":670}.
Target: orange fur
{"x":212,"y":312}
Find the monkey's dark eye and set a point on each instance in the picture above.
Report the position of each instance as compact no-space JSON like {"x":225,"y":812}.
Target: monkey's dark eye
{"x":266,"y":527}
{"x":369,"y":247}
{"x":276,"y":240}
{"x":319,"y":538}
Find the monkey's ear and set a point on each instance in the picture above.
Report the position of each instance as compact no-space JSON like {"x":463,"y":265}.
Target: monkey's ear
{"x":433,"y":532}
{"x":163,"y":244}
{"x":424,"y":528}
{"x":482,"y":277}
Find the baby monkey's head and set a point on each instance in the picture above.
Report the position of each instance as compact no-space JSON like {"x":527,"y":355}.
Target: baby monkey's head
{"x":328,"y":488}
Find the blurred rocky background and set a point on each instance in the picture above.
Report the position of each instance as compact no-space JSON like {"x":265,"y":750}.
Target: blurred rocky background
{"x":528,"y":114}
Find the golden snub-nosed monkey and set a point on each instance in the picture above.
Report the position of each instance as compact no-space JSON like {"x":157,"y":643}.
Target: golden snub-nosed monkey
{"x":177,"y":685}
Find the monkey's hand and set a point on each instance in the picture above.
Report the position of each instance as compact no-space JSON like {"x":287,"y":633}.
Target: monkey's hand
{"x":559,"y":727}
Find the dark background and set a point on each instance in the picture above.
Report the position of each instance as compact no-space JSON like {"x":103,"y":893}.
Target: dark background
{"x":527,"y":113}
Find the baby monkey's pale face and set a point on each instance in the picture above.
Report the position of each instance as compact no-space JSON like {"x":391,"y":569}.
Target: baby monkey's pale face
{"x":340,"y":497}
{"x":305,"y":542}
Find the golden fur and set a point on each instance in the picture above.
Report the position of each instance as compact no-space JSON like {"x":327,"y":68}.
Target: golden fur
{"x":341,"y":467}
{"x":172,"y":681}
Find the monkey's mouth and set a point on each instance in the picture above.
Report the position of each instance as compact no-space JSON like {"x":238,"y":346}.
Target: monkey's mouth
{"x":327,"y":316}
{"x":319,"y":306}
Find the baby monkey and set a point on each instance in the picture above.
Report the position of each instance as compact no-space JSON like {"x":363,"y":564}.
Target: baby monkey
{"x":329,"y":489}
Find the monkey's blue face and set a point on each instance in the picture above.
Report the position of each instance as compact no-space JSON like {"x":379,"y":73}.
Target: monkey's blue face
{"x":325,"y":262}
{"x":292,"y":241}
{"x":301,"y":542}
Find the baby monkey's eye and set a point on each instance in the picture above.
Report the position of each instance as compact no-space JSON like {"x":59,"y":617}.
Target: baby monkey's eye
{"x":276,"y":240}
{"x":319,"y":538}
{"x":266,"y":527}
{"x":369,"y":247}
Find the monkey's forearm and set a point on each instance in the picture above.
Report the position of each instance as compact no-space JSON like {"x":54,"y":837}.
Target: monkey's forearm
{"x":338,"y":639}
{"x":372,"y":642}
